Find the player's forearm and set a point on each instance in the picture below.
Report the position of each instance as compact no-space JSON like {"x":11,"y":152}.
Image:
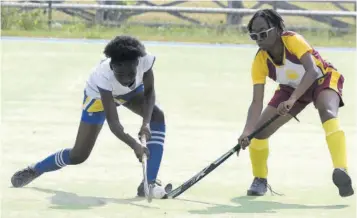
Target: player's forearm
{"x":306,"y":82}
{"x":118,"y":131}
{"x":149,"y":103}
{"x":254,"y":112}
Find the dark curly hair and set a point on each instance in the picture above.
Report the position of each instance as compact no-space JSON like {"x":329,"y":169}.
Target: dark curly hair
{"x":271,"y":16}
{"x":124,"y":48}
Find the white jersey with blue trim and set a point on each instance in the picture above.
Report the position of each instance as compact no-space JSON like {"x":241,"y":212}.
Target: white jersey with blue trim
{"x":103,"y":77}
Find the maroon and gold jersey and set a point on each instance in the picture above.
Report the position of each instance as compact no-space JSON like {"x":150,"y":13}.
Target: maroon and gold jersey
{"x":291,"y":71}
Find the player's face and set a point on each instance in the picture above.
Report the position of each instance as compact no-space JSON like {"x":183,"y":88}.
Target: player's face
{"x":264,"y":34}
{"x":125,"y":72}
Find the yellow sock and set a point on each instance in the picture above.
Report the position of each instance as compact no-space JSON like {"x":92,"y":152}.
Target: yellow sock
{"x":259,"y":152}
{"x":336,"y":142}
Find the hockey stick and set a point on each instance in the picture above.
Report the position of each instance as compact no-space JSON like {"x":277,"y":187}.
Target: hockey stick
{"x":179,"y":190}
{"x":147,"y":187}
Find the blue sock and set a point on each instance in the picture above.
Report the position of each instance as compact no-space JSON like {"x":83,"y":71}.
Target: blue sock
{"x":156,"y":148}
{"x":53,"y":162}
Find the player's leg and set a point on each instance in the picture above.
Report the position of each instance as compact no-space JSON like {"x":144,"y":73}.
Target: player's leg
{"x":158,"y":130}
{"x":328,"y":100}
{"x":259,"y":146}
{"x":88,"y":131}
{"x":156,"y":143}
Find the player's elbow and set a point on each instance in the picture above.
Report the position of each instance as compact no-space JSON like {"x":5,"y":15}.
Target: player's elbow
{"x":149,"y":93}
{"x":111,"y":127}
{"x":114,"y":126}
{"x":313,"y":72}
{"x":256,"y":106}
{"x":257,"y":103}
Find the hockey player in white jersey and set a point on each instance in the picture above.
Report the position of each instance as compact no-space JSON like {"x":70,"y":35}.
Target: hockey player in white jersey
{"x":124,"y":78}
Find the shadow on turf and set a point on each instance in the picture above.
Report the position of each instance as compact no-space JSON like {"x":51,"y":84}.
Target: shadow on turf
{"x":247,"y":205}
{"x":72,"y":201}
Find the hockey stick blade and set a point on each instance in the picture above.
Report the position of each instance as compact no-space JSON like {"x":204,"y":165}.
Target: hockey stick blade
{"x":188,"y":184}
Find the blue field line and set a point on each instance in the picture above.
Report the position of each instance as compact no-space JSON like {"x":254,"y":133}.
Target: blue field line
{"x":154,"y":43}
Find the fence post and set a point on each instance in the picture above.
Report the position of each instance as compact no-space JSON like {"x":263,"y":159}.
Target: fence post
{"x":234,"y":19}
{"x":99,"y":13}
{"x":355,"y":3}
{"x":275,"y":5}
{"x":49,"y":15}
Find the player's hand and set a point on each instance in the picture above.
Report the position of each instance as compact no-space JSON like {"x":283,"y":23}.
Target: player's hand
{"x":285,"y":106}
{"x":244,"y":141}
{"x":140,"y":151}
{"x":145,"y":130}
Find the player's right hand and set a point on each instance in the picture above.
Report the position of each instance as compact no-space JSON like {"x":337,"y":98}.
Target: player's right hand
{"x":140,"y":151}
{"x":244,"y":141}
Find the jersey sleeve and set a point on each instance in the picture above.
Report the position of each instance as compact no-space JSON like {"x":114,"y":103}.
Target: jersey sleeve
{"x":101,"y":77}
{"x":147,"y":62}
{"x":103,"y":83}
{"x":297,"y":45}
{"x":259,"y":70}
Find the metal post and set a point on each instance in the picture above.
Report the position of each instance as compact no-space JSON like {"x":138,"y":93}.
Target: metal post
{"x":355,"y":3}
{"x":50,"y":15}
{"x":234,"y":19}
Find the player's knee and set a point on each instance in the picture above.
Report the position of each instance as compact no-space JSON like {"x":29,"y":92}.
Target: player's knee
{"x":326,"y":114}
{"x":327,"y":104}
{"x":78,"y":157}
{"x":158,"y":115}
{"x":325,"y":111}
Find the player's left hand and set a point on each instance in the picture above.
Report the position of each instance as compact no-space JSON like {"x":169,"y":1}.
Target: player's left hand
{"x":285,"y":106}
{"x":145,"y":130}
{"x":140,"y":151}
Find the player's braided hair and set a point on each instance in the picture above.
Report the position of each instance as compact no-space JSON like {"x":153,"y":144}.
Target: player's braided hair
{"x":124,"y":48}
{"x":271,"y":16}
